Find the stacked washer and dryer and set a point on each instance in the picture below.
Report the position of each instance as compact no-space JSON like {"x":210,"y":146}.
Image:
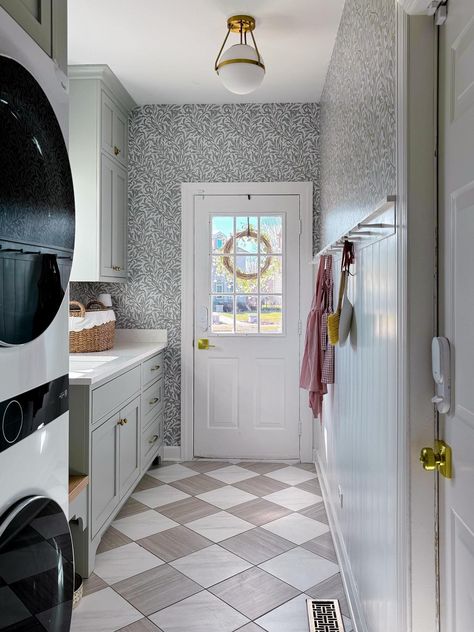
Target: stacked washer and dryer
{"x":36,"y":248}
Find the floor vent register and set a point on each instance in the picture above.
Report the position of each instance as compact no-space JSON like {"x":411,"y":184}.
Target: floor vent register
{"x":324,"y":615}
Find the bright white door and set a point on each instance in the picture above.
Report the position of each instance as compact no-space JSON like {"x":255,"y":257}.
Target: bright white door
{"x":457,"y":311}
{"x":247,"y":304}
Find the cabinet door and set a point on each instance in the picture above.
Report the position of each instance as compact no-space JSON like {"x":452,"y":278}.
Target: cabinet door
{"x":113,"y":239}
{"x":129,"y":461}
{"x":105,"y":491}
{"x":35,"y":17}
{"x":114,"y":129}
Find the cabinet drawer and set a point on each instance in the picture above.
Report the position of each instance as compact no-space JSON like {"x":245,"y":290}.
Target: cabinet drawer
{"x":152,"y":369}
{"x":152,"y":401}
{"x":151,"y":439}
{"x":111,"y":395}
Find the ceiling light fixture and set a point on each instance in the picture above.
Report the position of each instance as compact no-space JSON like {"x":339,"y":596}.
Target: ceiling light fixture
{"x":240,"y":67}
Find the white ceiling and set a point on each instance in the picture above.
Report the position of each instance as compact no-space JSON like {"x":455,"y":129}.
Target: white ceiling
{"x":163,"y":51}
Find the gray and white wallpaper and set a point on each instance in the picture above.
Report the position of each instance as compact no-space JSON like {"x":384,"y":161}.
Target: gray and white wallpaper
{"x":358,"y":116}
{"x":171,"y":144}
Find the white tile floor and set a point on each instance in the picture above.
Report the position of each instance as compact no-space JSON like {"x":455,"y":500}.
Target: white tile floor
{"x":215,"y":548}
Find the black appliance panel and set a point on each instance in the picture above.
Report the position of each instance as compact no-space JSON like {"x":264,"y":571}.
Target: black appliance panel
{"x":22,"y":415}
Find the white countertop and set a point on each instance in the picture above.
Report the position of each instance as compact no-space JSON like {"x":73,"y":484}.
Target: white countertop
{"x":132,"y":346}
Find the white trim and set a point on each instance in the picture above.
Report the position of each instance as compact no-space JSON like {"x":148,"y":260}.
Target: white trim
{"x":188,"y":191}
{"x":172,"y":453}
{"x":347,"y":576}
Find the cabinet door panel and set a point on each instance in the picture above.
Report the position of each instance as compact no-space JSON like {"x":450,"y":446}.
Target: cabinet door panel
{"x":120,"y":136}
{"x":35,"y":17}
{"x":107,"y":124}
{"x":113,"y":238}
{"x":105,"y":492}
{"x":129,"y":462}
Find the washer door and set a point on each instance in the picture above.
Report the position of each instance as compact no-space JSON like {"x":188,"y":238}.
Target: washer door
{"x":36,"y":208}
{"x":36,"y":567}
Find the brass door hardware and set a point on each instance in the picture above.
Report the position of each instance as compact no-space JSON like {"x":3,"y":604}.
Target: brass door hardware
{"x":154,"y":439}
{"x":155,"y":368}
{"x":438,"y":458}
{"x":203,"y":344}
{"x":116,"y":150}
{"x":116,"y":268}
{"x":153,"y":401}
{"x":122,"y":422}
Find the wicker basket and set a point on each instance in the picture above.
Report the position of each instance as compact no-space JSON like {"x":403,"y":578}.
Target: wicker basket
{"x":98,"y":338}
{"x":78,"y":590}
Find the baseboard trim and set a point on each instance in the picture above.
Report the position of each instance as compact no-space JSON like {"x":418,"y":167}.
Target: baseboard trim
{"x":172,"y":453}
{"x":348,"y":579}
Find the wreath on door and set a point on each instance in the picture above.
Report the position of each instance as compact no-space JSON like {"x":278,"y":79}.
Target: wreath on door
{"x":227,"y":260}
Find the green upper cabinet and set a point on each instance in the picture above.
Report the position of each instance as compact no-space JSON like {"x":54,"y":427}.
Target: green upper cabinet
{"x":46,"y":22}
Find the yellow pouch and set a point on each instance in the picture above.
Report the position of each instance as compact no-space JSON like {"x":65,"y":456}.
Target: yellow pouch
{"x":333,"y":319}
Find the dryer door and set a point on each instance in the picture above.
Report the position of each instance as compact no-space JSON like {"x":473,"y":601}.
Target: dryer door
{"x":36,"y":567}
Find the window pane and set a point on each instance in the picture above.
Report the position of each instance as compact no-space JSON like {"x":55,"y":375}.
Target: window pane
{"x":222,"y":231}
{"x":271,"y":280}
{"x":271,"y":231}
{"x":222,"y":314}
{"x":271,"y":314}
{"x":222,"y":280}
{"x":246,"y":274}
{"x":247,"y":228}
{"x":246,"y":317}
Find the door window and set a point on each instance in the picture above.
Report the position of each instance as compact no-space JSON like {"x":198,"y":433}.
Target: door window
{"x":247,"y":274}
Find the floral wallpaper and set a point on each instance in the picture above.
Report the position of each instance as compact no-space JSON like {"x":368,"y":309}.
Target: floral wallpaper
{"x":171,"y":144}
{"x":358,"y":116}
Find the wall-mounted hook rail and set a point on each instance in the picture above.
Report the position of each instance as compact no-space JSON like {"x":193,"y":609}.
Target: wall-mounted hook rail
{"x":386,"y":210}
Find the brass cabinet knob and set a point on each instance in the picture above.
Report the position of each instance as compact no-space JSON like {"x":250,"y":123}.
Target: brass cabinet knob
{"x":116,"y":268}
{"x":154,"y":439}
{"x":153,"y":401}
{"x":116,"y":150}
{"x":155,"y":368}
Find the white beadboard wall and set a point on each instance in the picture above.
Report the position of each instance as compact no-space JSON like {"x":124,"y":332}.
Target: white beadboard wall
{"x":357,"y":442}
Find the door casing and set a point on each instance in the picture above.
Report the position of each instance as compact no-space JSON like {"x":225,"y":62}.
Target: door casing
{"x":188,"y":192}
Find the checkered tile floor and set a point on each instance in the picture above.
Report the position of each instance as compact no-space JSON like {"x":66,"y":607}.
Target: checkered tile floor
{"x":214,"y":547}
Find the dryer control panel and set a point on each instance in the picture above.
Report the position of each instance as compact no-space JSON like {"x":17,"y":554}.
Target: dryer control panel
{"x":22,"y":415}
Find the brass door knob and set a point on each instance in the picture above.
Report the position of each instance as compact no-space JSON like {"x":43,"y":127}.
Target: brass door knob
{"x":203,"y":344}
{"x":428,"y":459}
{"x":438,"y":458}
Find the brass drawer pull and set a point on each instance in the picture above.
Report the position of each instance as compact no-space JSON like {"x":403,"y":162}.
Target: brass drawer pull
{"x":155,"y":368}
{"x":154,"y":439}
{"x":116,"y":150}
{"x":153,"y":401}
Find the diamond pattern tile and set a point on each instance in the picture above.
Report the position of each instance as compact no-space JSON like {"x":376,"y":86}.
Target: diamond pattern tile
{"x":291,"y":475}
{"x":200,"y":613}
{"x":227,"y":497}
{"x":174,"y":543}
{"x":198,"y":484}
{"x":220,"y":526}
{"x":156,"y":589}
{"x":260,"y":485}
{"x":296,"y":528}
{"x":210,"y":566}
{"x":257,"y":546}
{"x":253,"y":592}
{"x":231,"y":474}
{"x":214,"y":546}
{"x":188,"y":510}
{"x":294,"y":498}
{"x":259,"y":511}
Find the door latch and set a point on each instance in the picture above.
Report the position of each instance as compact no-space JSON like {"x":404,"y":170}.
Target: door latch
{"x":441,"y":361}
{"x":438,"y":459}
{"x":203,"y":344}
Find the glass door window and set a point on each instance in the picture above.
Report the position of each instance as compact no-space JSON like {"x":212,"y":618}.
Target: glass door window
{"x":247,"y":263}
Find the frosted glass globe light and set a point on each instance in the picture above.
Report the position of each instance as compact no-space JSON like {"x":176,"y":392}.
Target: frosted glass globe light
{"x":245,"y":73}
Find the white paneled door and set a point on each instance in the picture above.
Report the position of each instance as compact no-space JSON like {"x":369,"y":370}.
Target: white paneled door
{"x":247,"y":326}
{"x":456,"y":311}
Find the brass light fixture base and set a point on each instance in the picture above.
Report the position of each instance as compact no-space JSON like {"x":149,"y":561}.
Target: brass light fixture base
{"x":238,"y":22}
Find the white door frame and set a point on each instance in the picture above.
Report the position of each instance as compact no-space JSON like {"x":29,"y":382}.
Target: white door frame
{"x":188,"y":191}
